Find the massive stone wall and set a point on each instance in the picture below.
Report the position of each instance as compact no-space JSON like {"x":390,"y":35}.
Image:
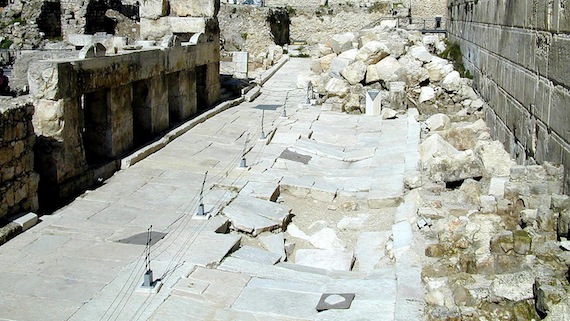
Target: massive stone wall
{"x":18,"y":181}
{"x":518,"y":55}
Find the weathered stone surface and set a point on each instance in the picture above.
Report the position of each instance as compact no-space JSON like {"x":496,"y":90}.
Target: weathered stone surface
{"x":337,"y":260}
{"x":438,"y":122}
{"x":337,"y":87}
{"x":341,"y":42}
{"x":548,"y":292}
{"x":325,"y":61}
{"x":355,"y":72}
{"x":436,"y":146}
{"x":513,"y":286}
{"x":388,"y":113}
{"x":427,"y":94}
{"x":336,"y":65}
{"x":522,"y":242}
{"x":460,"y":137}
{"x":438,"y":68}
{"x":502,"y":243}
{"x":199,"y":8}
{"x":274,"y":243}
{"x":254,"y":254}
{"x":495,"y":159}
{"x":452,"y":82}
{"x":420,"y":53}
{"x":327,"y":239}
{"x":372,"y":52}
{"x":253,"y":215}
{"x":384,"y":70}
{"x":459,"y":166}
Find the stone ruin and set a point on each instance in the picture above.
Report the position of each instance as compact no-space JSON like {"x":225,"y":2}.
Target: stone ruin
{"x":94,"y":106}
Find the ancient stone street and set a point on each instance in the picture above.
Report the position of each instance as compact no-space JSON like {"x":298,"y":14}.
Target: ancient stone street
{"x":340,"y":176}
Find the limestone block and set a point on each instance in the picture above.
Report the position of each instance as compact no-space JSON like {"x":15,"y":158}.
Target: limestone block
{"x":454,"y":168}
{"x":438,"y":122}
{"x":355,"y":72}
{"x":488,"y":204}
{"x":436,"y":146}
{"x":372,"y":52}
{"x":341,"y":42}
{"x":522,"y":242}
{"x":438,"y":68}
{"x":325,"y":259}
{"x":452,"y":82}
{"x":49,"y":119}
{"x":198,"y":8}
{"x":327,"y":239}
{"x":50,"y":80}
{"x":153,"y":9}
{"x":427,"y":94}
{"x":337,"y":65}
{"x":420,"y":53}
{"x":548,"y":291}
{"x":274,"y":243}
{"x":513,"y":286}
{"x":325,"y":61}
{"x":502,"y":242}
{"x":397,"y":95}
{"x":337,"y":87}
{"x":412,"y":71}
{"x":495,"y":159}
{"x":385,"y":70}
{"x":79,"y":40}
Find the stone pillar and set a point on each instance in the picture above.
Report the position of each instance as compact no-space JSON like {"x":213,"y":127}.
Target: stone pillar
{"x":373,"y":103}
{"x":181,"y":97}
{"x":120,"y":132}
{"x":150,"y":108}
{"x":212,"y":83}
{"x":59,"y":148}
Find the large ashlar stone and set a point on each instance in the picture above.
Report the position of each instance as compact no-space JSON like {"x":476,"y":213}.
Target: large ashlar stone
{"x":548,"y":292}
{"x":384,"y":70}
{"x":420,"y":53}
{"x":412,"y":71}
{"x":513,"y":286}
{"x":341,"y":42}
{"x":495,"y":159}
{"x":336,"y":260}
{"x":427,"y":94}
{"x":452,"y":82}
{"x":337,"y":65}
{"x":337,"y":87}
{"x":355,"y":72}
{"x":196,"y":8}
{"x":153,"y":9}
{"x":349,"y":54}
{"x":372,"y":52}
{"x":325,"y":61}
{"x":327,"y":239}
{"x":438,"y":122}
{"x":443,"y":162}
{"x":438,"y":68}
{"x":461,"y":138}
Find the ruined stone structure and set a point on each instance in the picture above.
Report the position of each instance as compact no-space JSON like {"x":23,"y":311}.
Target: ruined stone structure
{"x":91,"y":112}
{"x":18,"y":182}
{"x":518,"y":56}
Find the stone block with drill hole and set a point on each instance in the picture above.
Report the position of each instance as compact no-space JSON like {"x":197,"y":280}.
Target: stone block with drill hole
{"x":253,"y":215}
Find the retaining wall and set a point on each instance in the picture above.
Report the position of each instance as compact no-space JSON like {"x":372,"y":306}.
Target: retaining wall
{"x":517,"y":52}
{"x":18,"y":181}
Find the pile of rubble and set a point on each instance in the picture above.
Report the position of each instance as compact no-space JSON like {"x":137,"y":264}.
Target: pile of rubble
{"x":495,"y":232}
{"x":389,"y":59}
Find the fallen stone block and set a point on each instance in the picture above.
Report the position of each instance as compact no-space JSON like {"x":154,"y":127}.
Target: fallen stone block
{"x":253,"y":215}
{"x":325,"y":259}
{"x":274,"y":243}
{"x":254,"y":254}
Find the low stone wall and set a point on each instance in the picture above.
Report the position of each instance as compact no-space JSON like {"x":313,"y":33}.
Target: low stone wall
{"x":18,"y":181}
{"x":518,"y":56}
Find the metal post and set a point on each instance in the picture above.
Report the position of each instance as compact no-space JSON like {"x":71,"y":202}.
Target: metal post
{"x":262,"y":136}
{"x":243,"y":162}
{"x":148,"y":281}
{"x":201,"y":211}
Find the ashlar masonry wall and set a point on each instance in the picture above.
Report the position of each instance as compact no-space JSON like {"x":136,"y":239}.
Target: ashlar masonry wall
{"x":518,"y":54}
{"x":18,"y":181}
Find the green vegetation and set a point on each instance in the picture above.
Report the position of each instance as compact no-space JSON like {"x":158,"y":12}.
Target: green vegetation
{"x":453,"y":54}
{"x":380,"y":7}
{"x":244,"y":35}
{"x":5,"y":44}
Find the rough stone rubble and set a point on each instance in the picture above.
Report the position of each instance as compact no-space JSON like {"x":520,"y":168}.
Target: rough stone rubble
{"x":495,"y":232}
